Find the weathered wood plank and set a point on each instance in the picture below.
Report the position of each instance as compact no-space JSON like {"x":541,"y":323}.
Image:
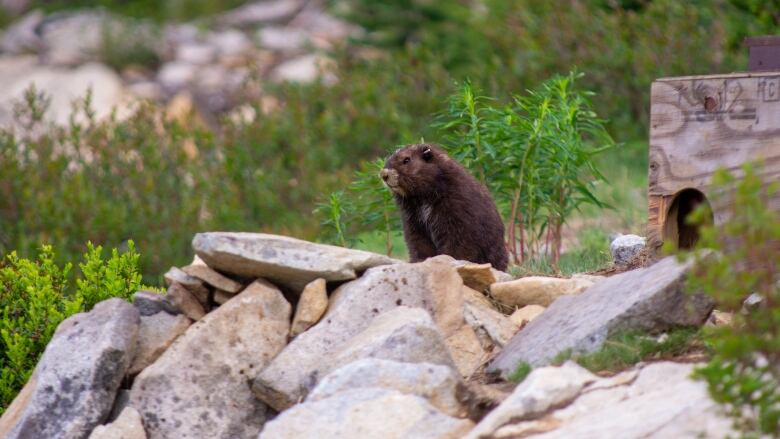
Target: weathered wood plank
{"x":699,"y":124}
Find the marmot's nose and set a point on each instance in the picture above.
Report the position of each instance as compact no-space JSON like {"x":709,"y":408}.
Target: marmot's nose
{"x":385,"y":174}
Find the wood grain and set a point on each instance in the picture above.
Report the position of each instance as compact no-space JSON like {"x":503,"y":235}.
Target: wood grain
{"x":699,"y":124}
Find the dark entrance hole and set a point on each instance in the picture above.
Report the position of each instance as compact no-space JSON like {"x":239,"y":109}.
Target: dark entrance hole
{"x":677,"y":229}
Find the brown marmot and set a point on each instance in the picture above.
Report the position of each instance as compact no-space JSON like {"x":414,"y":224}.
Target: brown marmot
{"x":444,"y":209}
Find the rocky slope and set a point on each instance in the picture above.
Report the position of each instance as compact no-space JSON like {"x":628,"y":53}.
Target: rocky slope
{"x":201,"y":66}
{"x":272,"y":337}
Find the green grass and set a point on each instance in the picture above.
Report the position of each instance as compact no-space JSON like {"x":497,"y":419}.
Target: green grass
{"x":521,"y":373}
{"x":628,"y":348}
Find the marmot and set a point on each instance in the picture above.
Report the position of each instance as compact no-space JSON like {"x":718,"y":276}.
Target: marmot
{"x":444,"y":209}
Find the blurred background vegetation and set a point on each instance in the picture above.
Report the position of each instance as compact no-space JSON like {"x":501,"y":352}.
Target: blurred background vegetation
{"x":159,"y":181}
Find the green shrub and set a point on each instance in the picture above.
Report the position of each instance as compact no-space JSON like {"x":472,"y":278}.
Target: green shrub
{"x":744,"y":373}
{"x":35,"y":296}
{"x":538,"y":152}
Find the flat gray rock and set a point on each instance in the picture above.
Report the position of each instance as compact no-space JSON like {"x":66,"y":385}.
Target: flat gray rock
{"x":199,"y":387}
{"x":650,"y":299}
{"x":74,"y":384}
{"x":366,"y":413}
{"x":401,"y":334}
{"x":288,"y":262}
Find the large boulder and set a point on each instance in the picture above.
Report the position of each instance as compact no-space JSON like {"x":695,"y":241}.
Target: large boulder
{"x":438,"y":384}
{"x":651,"y":299}
{"x":658,"y":401}
{"x":365,"y":413}
{"x":199,"y":387}
{"x":75,"y":382}
{"x":63,"y":87}
{"x":401,"y":334}
{"x":289,"y":262}
{"x":433,"y":285}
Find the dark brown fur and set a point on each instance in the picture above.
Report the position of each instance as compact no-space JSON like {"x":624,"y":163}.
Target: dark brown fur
{"x":444,"y":209}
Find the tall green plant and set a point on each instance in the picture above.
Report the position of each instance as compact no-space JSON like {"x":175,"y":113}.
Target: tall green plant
{"x":538,"y":151}
{"x":744,"y":372}
{"x":366,"y":205}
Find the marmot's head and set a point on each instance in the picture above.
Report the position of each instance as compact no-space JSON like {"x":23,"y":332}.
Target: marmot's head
{"x":413,"y":169}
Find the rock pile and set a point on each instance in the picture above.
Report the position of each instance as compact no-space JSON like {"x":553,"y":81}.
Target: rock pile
{"x":265,"y":336}
{"x":201,"y":65}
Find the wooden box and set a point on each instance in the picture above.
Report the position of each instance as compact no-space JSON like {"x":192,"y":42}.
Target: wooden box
{"x":697,"y":125}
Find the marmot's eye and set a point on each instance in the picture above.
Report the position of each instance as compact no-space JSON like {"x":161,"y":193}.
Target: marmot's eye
{"x":406,"y":160}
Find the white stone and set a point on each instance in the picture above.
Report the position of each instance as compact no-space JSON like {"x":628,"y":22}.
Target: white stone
{"x":365,"y":413}
{"x":435,"y":383}
{"x":176,"y":75}
{"x":230,"y":42}
{"x":20,"y":37}
{"x":625,"y":247}
{"x":196,"y":54}
{"x":63,"y":86}
{"x":283,"y":39}
{"x":260,"y":13}
{"x":305,"y":69}
{"x":661,"y":402}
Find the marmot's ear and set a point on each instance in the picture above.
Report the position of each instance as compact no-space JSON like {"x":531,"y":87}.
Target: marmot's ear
{"x":427,"y":153}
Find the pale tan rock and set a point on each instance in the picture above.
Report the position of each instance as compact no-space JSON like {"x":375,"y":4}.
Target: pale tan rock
{"x":473,"y":296}
{"x":491,"y":326}
{"x":184,"y":301}
{"x":127,"y":426}
{"x":199,"y":387}
{"x":537,"y":290}
{"x":439,"y":385}
{"x":311,"y":306}
{"x":155,"y":333}
{"x":477,"y":276}
{"x":213,"y":278}
{"x":720,"y":318}
{"x":433,"y":285}
{"x":366,"y":413}
{"x":222,"y":296}
{"x":526,"y":314}
{"x":195,"y":285}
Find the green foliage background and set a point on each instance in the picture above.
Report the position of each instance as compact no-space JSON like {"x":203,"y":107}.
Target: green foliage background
{"x":137,"y":179}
